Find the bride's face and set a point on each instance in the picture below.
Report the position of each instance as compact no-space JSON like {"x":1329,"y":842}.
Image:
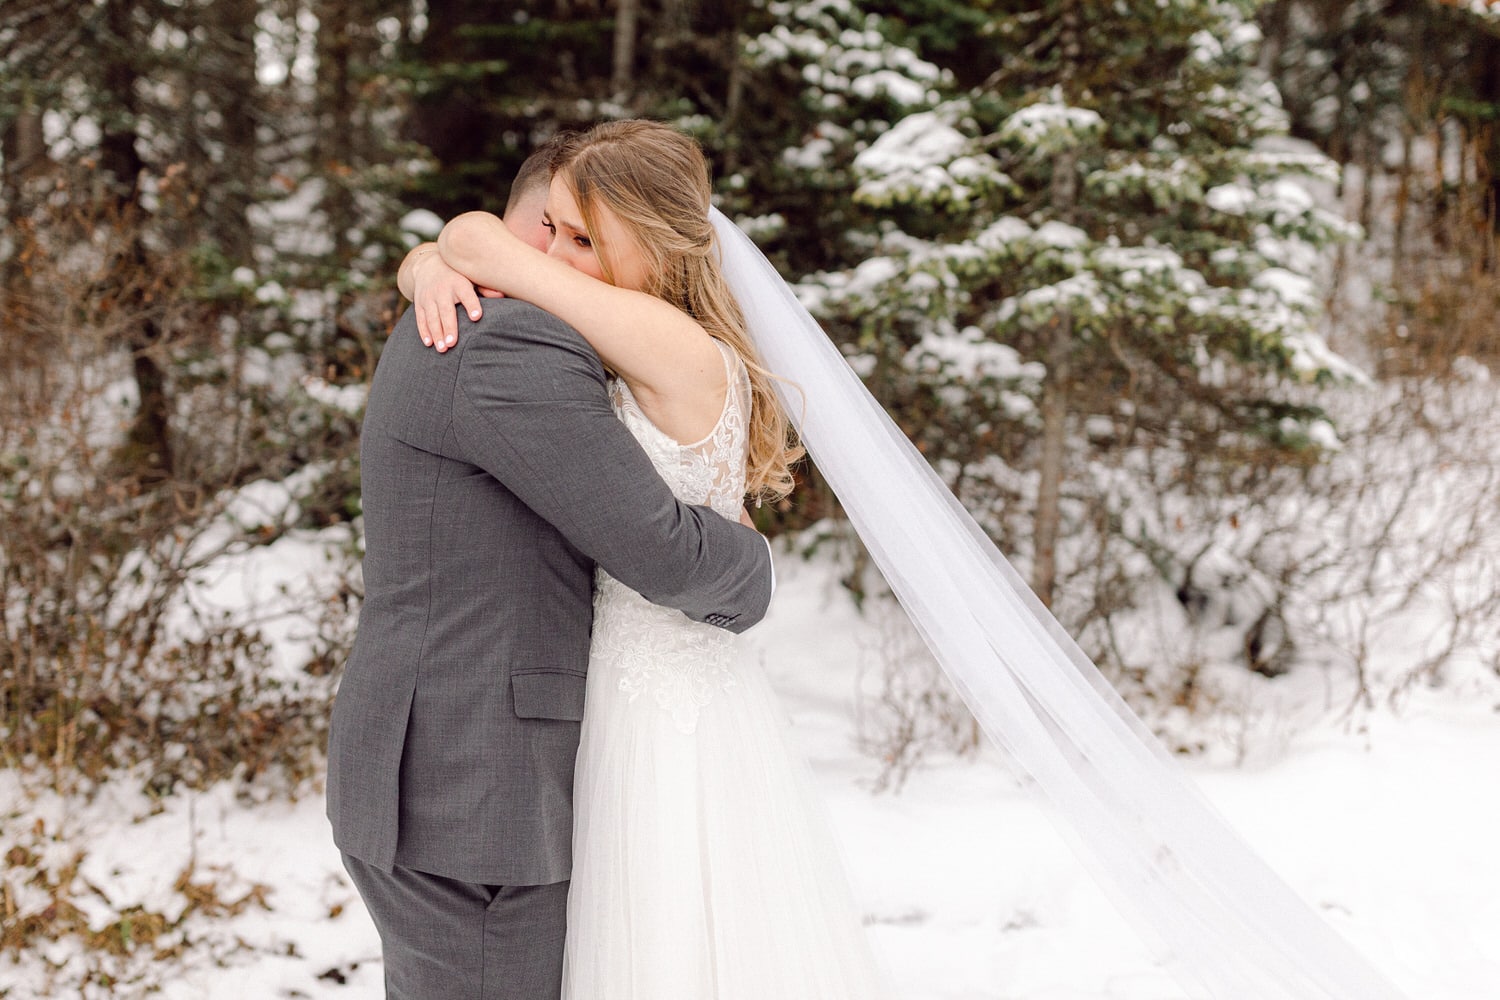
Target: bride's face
{"x":571,"y":244}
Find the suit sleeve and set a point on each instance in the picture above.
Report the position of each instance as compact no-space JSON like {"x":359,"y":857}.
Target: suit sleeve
{"x":530,"y":408}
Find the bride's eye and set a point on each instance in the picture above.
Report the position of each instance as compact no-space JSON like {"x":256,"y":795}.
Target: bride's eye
{"x":584,"y":242}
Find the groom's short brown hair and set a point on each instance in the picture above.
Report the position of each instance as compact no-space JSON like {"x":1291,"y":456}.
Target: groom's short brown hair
{"x":536,"y":169}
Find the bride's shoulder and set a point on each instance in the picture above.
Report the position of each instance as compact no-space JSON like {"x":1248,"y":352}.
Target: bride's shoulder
{"x":734,"y":363}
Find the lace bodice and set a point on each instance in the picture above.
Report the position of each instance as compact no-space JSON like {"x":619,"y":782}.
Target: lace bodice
{"x":658,"y":652}
{"x":710,"y":472}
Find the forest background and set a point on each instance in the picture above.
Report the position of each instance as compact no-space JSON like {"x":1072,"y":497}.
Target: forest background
{"x":1193,"y":304}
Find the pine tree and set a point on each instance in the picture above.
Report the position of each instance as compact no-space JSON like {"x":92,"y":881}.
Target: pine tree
{"x":1082,"y":239}
{"x":852,"y":78}
{"x":491,"y":81}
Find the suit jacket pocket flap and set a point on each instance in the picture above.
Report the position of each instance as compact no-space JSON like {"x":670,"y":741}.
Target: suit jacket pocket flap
{"x":548,"y":696}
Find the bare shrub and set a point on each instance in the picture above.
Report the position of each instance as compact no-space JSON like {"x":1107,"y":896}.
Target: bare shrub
{"x":1370,"y":573}
{"x":104,"y":662}
{"x":916,"y":711}
{"x":1378,"y":563}
{"x":124,"y":944}
{"x":1408,"y":580}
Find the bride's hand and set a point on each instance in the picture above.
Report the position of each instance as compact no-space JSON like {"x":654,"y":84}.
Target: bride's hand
{"x":436,"y":289}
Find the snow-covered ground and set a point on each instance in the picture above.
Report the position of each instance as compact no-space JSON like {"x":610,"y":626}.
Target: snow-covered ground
{"x":1385,"y":824}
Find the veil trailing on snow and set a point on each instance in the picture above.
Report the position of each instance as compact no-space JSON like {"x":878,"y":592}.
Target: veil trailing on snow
{"x":1222,"y":920}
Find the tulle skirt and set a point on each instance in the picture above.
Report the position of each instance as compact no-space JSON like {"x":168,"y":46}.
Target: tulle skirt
{"x":704,"y":867}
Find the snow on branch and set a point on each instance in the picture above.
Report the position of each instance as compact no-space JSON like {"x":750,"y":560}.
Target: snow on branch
{"x":924,"y":160}
{"x":1048,"y":128}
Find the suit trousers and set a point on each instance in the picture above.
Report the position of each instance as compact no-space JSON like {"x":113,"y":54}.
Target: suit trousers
{"x":443,"y":939}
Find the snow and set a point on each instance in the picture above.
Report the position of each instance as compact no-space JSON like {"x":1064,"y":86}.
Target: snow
{"x":1231,"y":199}
{"x":421,"y":223}
{"x":901,"y":89}
{"x":1080,"y":295}
{"x":1282,"y":155}
{"x":1003,"y":231}
{"x":1206,"y":48}
{"x":1169,"y":182}
{"x":923,"y":158}
{"x":1047,"y":128}
{"x":972,"y":356}
{"x":914,"y":142}
{"x":1468,"y":368}
{"x":846,"y":55}
{"x":1291,"y":197}
{"x":1060,"y":235}
{"x":1244,"y":36}
{"x":348,"y":399}
{"x":1383,"y":822}
{"x":1324,"y":435}
{"x":1240,"y":36}
{"x":1296,"y":290}
{"x":1132,"y":265}
{"x":811,"y":155}
{"x":863,"y":284}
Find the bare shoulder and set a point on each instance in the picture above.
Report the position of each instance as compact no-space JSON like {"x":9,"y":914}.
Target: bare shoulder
{"x":688,"y":405}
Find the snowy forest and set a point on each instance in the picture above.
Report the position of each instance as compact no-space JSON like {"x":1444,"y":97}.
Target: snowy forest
{"x":1192,"y":304}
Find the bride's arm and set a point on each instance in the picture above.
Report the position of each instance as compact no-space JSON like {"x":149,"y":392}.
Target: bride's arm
{"x":406,"y":273}
{"x":668,"y":359}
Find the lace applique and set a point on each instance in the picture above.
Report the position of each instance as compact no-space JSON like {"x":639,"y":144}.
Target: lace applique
{"x":679,"y":663}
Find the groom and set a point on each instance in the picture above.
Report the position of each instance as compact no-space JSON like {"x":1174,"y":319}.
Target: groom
{"x":494,"y":479}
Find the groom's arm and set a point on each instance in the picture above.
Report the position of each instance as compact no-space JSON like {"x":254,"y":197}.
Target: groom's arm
{"x":530,"y":408}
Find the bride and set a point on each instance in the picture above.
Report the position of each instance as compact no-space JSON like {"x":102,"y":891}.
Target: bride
{"x":702,"y":868}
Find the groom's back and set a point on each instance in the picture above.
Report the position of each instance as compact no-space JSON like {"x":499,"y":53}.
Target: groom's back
{"x":456,"y":724}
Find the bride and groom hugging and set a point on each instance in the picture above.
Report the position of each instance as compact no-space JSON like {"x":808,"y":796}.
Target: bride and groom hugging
{"x":587,"y":443}
{"x":553,"y":503}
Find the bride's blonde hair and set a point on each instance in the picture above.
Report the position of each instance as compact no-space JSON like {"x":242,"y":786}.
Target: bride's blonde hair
{"x":655,"y":180}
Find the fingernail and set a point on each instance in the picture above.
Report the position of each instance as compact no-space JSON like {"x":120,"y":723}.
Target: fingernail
{"x":473,"y":313}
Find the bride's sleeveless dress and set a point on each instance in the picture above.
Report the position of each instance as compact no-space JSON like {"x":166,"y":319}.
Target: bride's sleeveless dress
{"x":703,"y":868}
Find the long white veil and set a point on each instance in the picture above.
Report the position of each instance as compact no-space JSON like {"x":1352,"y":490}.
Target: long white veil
{"x":1224,"y":923}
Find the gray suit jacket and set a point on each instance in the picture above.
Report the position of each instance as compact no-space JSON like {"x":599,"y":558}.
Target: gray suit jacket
{"x":494,"y":478}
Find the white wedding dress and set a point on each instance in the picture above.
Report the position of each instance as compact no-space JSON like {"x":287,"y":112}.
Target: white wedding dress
{"x":703,"y":868}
